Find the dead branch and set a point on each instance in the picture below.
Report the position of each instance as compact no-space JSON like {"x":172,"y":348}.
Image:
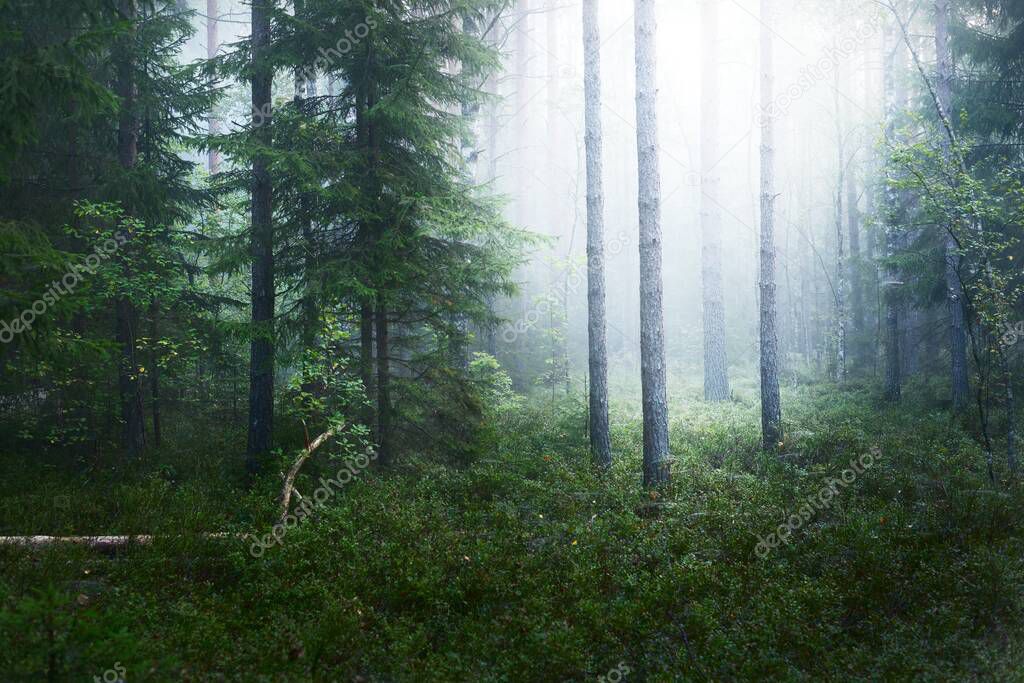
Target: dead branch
{"x":289,"y":479}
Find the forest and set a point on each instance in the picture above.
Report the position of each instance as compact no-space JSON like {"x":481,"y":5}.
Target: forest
{"x":382,"y":341}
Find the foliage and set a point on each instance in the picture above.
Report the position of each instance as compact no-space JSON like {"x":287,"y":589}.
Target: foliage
{"x":527,"y":564}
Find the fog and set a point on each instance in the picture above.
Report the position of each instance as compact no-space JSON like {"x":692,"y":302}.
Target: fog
{"x":827,"y":56}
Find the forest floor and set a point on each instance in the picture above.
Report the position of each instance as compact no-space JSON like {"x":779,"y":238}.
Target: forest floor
{"x":525,"y":565}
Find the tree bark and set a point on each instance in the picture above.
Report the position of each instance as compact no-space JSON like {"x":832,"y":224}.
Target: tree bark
{"x":366,"y":347}
{"x":959,"y":383}
{"x":840,"y":237}
{"x":600,"y":440}
{"x":306,"y":87}
{"x":212,"y":47}
{"x":893,"y":100}
{"x":716,"y":376}
{"x":771,"y":402}
{"x":154,"y":370}
{"x":383,"y":383}
{"x":284,"y":500}
{"x":657,"y":461}
{"x":856,"y":281}
{"x":100,"y":543}
{"x":261,"y":367}
{"x":128,"y":377}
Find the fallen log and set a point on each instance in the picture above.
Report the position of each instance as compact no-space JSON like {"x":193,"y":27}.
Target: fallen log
{"x":101,"y":543}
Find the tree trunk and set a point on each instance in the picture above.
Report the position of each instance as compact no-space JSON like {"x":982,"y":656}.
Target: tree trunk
{"x":652,"y":320}
{"x":959,"y":384}
{"x":383,"y":383}
{"x":212,"y":46}
{"x":893,"y":102}
{"x":261,"y":367}
{"x":856,"y":282}
{"x":841,"y":322}
{"x":306,"y":87}
{"x":771,"y":402}
{"x":154,"y":370}
{"x":716,"y":377}
{"x":600,"y":440}
{"x":366,"y":347}
{"x":129,"y":381}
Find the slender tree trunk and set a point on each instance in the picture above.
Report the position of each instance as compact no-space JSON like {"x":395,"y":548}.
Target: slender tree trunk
{"x":657,"y":462}
{"x":490,"y":332}
{"x":840,"y":244}
{"x":959,"y":384}
{"x":1011,"y":412}
{"x":383,"y":383}
{"x":382,"y":337}
{"x":519,"y":119}
{"x":305,"y":86}
{"x":366,"y":347}
{"x":129,"y":380}
{"x":154,"y":371}
{"x":771,"y":402}
{"x":856,"y":281}
{"x":600,"y":440}
{"x":893,"y":102}
{"x":212,"y":46}
{"x":261,"y":367}
{"x":716,"y":376}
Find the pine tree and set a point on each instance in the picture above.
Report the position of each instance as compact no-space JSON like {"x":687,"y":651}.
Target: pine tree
{"x":652,"y":318}
{"x":600,"y":441}
{"x":716,"y":376}
{"x":771,"y":404}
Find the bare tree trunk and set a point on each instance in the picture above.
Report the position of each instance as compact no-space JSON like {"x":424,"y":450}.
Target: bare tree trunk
{"x":657,"y":462}
{"x":366,"y":347}
{"x":154,"y":371}
{"x":128,"y":376}
{"x":893,"y":101}
{"x":1011,"y":413}
{"x":212,"y":46}
{"x":856,"y":281}
{"x":600,"y":440}
{"x":771,"y":402}
{"x":261,"y":366}
{"x":518,"y":121}
{"x":716,"y":375}
{"x":840,"y":246}
{"x":959,"y":383}
{"x":305,"y":86}
{"x":383,"y":383}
